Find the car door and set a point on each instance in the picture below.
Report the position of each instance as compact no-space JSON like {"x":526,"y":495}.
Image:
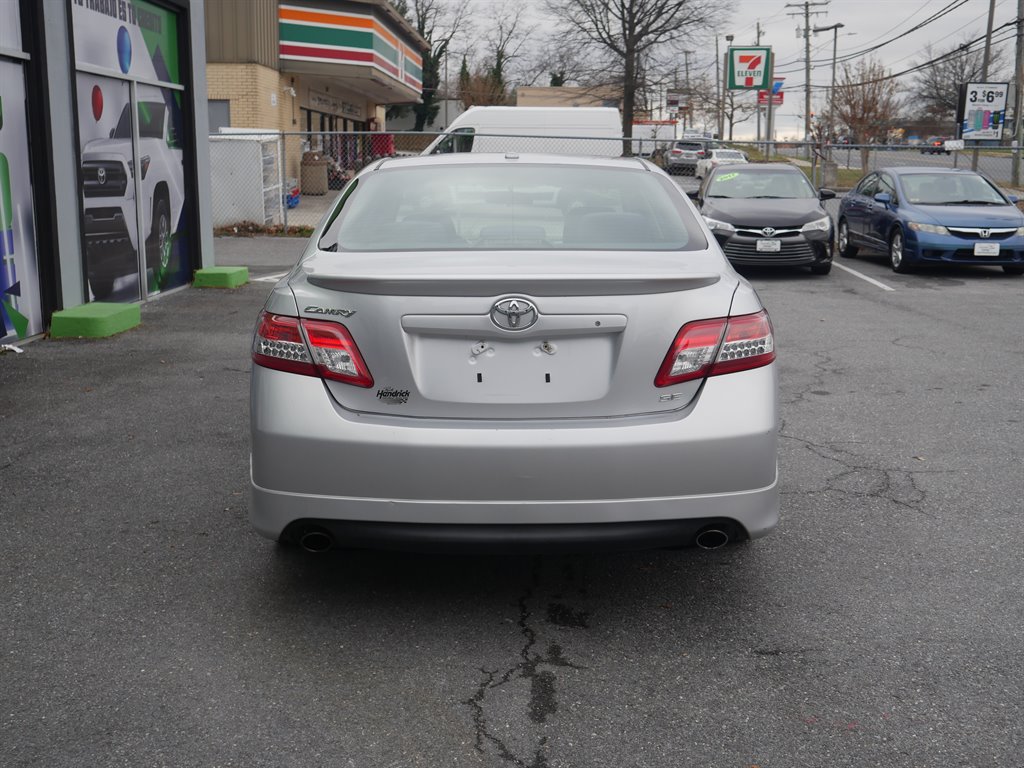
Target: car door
{"x":882,"y":216}
{"x":857,"y":208}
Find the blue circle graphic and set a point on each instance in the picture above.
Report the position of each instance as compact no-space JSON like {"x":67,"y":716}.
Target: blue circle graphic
{"x":124,"y":49}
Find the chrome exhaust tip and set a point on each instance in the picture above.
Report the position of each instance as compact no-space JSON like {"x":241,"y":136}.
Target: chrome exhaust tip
{"x":711,"y":538}
{"x":316,"y":541}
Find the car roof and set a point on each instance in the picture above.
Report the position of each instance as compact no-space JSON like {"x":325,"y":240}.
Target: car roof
{"x":904,"y":170}
{"x":785,"y":167}
{"x":490,"y":158}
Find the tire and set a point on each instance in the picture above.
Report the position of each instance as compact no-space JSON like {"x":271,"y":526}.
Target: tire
{"x":897,"y":258}
{"x":821,"y":268}
{"x":1013,"y":269}
{"x":846,"y":249}
{"x":158,"y":247}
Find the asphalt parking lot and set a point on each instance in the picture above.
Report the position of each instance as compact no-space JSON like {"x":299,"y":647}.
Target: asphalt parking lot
{"x":146,"y":624}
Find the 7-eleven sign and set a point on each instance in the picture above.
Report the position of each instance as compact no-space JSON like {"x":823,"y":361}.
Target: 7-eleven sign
{"x":748,"y":68}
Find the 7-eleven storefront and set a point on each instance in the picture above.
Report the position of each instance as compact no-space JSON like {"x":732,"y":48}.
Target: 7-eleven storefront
{"x":311,"y":66}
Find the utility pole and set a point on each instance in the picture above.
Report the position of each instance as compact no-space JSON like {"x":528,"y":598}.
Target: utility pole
{"x":807,"y":13}
{"x":721,"y":103}
{"x":834,"y":29}
{"x":984,"y":66}
{"x":689,"y":93}
{"x":718,"y":88}
{"x":1018,"y":113}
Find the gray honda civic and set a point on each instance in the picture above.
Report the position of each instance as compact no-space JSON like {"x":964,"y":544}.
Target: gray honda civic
{"x":492,"y":353}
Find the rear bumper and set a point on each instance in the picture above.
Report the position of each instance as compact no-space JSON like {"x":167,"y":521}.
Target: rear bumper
{"x":313,"y":461}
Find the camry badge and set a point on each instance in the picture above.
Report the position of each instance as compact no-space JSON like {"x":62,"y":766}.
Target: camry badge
{"x":768,"y":231}
{"x":514,"y":314}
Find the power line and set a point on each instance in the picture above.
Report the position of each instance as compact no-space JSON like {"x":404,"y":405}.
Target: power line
{"x":924,"y":65}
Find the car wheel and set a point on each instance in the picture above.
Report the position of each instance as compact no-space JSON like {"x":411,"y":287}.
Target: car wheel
{"x":158,"y":248}
{"x":897,"y":259}
{"x":821,"y":268}
{"x":101,"y":287}
{"x":846,"y":248}
{"x":1013,"y":269}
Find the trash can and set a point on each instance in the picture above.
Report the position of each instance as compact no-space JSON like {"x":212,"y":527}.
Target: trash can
{"x":314,"y":173}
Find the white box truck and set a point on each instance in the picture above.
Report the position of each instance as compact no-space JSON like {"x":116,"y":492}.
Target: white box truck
{"x":545,"y":130}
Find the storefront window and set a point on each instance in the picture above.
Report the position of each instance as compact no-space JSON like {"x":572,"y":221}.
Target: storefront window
{"x":20,"y":307}
{"x":134,"y":197}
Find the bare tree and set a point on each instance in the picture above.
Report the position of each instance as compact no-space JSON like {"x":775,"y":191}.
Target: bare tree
{"x":438,"y":23}
{"x":936,"y":87}
{"x":867,"y":103}
{"x":627,"y":34}
{"x":737,"y":106}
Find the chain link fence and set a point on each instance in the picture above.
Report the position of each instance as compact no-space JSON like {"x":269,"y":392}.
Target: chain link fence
{"x":265,"y":180}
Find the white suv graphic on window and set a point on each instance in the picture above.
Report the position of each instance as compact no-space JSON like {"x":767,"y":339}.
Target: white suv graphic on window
{"x":108,"y":188}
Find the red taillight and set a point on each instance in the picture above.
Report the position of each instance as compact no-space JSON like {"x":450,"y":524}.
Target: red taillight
{"x":719,"y":346}
{"x":279,"y":344}
{"x":325,"y":349}
{"x":336,"y":354}
{"x":677,"y":151}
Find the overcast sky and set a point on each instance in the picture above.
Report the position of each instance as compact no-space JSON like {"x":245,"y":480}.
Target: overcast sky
{"x":866,"y":23}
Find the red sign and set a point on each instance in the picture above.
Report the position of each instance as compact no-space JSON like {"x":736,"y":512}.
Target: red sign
{"x":762,"y":98}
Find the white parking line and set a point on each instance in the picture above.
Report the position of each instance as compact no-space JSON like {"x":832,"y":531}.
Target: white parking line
{"x":862,"y":276}
{"x":274,"y":278}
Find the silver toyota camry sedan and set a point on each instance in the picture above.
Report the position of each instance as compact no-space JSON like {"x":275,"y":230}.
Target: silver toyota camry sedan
{"x":495,"y":352}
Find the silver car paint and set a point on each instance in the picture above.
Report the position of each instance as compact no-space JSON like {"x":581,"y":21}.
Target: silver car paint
{"x":621,"y":451}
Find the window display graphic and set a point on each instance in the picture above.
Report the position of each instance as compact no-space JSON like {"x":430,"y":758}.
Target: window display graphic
{"x":20,"y":311}
{"x":139,"y":40}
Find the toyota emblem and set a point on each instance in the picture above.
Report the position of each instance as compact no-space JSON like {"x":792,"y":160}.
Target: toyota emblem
{"x":101,"y":175}
{"x":514,"y":314}
{"x":768,"y":231}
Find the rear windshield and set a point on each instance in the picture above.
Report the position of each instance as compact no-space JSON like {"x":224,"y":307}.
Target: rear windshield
{"x":950,"y":189}
{"x":728,"y":154}
{"x":491,"y":206}
{"x":692,"y":146}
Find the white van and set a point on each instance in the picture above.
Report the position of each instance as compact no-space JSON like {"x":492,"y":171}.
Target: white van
{"x":549,"y":130}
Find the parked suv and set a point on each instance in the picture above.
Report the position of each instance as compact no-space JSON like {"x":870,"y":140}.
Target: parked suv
{"x":683,"y":156}
{"x":111,"y":232}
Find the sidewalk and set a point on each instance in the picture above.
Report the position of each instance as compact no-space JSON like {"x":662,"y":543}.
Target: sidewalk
{"x":261,"y":254}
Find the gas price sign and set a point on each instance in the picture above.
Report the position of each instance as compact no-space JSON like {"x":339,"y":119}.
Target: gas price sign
{"x":982,"y":110}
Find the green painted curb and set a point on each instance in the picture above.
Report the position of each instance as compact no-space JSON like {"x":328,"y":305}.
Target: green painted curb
{"x":94,"y":321}
{"x":221,"y":277}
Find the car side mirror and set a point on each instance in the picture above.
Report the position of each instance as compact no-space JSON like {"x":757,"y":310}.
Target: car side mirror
{"x":826,"y":194}
{"x":883,"y":197}
{"x":1013,"y":199}
{"x":694,"y":194}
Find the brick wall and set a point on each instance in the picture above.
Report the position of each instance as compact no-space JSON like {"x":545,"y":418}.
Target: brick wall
{"x":251,"y":90}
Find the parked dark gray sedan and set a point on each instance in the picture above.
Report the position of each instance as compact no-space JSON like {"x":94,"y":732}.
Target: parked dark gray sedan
{"x":768,"y":214}
{"x":491,"y":351}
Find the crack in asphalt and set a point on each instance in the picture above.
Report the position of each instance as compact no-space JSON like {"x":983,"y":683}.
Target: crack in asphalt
{"x":543,"y":693}
{"x":884,"y":485}
{"x":822,"y":369}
